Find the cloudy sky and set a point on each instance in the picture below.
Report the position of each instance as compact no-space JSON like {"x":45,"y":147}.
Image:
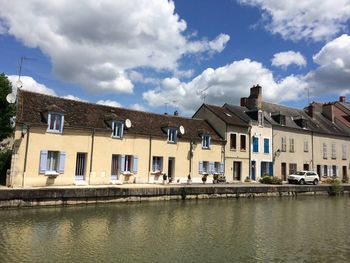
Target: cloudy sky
{"x":160,"y":55}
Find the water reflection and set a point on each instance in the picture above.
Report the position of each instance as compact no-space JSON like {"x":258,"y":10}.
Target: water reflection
{"x":251,"y":230}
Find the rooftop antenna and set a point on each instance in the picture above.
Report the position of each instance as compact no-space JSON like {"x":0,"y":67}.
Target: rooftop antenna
{"x":308,"y":95}
{"x":203,"y":93}
{"x":167,"y":103}
{"x":19,"y":82}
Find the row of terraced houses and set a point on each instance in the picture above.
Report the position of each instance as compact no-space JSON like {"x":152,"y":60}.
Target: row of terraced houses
{"x":66,"y":142}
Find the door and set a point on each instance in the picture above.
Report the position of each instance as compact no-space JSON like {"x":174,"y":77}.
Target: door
{"x":319,"y":170}
{"x":345,"y":174}
{"x":237,"y":171}
{"x":80,"y":167}
{"x":171,"y":165}
{"x":253,"y":170}
{"x":306,"y":167}
{"x":284,"y":171}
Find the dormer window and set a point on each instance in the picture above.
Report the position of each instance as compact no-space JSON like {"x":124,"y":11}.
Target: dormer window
{"x":172,"y":135}
{"x":117,"y":129}
{"x":279,"y":118}
{"x":206,"y":141}
{"x":260,"y":118}
{"x":55,"y":122}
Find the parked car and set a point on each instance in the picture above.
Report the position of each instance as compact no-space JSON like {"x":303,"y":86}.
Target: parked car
{"x":303,"y":177}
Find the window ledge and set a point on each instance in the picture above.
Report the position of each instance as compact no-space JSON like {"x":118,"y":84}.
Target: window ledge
{"x":51,"y":174}
{"x":205,"y":148}
{"x":127,"y":173}
{"x":54,"y":131}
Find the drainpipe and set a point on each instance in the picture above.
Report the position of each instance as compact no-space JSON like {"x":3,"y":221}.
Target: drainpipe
{"x":190,"y":163}
{"x":312,"y":151}
{"x":250,"y":154}
{"x":149,"y":157}
{"x":92,"y":152}
{"x":25,"y":156}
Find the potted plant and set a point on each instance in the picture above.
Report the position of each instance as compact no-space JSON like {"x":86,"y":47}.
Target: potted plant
{"x":189,"y":180}
{"x":204,"y":178}
{"x":165,"y":177}
{"x":215,"y":178}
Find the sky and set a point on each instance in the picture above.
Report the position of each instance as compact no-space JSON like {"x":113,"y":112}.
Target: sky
{"x":163,"y":55}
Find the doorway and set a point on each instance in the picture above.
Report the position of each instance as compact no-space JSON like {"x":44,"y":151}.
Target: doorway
{"x":284,"y":171}
{"x":306,"y":167}
{"x":237,"y":170}
{"x":345,"y":174}
{"x":80,"y":167}
{"x":253,"y":170}
{"x":171,"y":165}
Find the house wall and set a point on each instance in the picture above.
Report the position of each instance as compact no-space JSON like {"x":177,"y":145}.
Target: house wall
{"x":213,"y":120}
{"x":261,"y":132}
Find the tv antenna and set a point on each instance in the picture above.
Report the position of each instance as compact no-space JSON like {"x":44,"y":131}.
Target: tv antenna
{"x":173,"y":102}
{"x":308,"y":95}
{"x":203,"y":93}
{"x":19,"y":82}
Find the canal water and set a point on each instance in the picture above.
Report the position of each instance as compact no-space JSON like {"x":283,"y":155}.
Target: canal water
{"x":302,"y":229}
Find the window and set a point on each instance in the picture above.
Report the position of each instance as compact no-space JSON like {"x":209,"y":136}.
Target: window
{"x":243,"y":142}
{"x":115,"y":166}
{"x":172,"y":133}
{"x":260,"y":118}
{"x":205,"y":167}
{"x":291,"y":145}
{"x":233,"y":141}
{"x":324,"y":150}
{"x":292,"y":168}
{"x":325,"y":170}
{"x":117,"y":129}
{"x":157,"y":164}
{"x":128,"y":164}
{"x":306,"y":146}
{"x":334,"y":151}
{"x":284,"y":144}
{"x":266,"y":145}
{"x":216,"y":167}
{"x":80,"y":166}
{"x":55,"y":122}
{"x":343,"y":152}
{"x":206,"y":141}
{"x":334,"y":170}
{"x":255,"y":144}
{"x":52,"y":162}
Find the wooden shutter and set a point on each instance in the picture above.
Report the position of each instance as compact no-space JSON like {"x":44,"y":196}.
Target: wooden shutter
{"x":222,"y":168}
{"x":62,"y":162}
{"x":43,"y":161}
{"x":135,"y":164}
{"x":200,"y":169}
{"x":211,"y":167}
{"x":271,"y":169}
{"x":122,"y":163}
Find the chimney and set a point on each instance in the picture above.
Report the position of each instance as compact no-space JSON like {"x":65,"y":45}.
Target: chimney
{"x":254,"y":101}
{"x":176,"y":113}
{"x":244,"y":101}
{"x":342,"y":99}
{"x":328,"y":111}
{"x":311,"y":110}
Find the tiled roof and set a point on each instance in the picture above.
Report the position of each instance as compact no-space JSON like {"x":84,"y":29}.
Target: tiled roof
{"x":227,"y":116}
{"x":32,"y":107}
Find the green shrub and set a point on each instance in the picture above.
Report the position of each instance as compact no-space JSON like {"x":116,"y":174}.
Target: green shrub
{"x":270,"y":180}
{"x":335,"y":188}
{"x":5,"y":163}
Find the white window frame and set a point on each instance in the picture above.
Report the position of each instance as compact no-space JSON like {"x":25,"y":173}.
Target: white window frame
{"x":283,"y":144}
{"x":260,"y":118}
{"x":205,"y":167}
{"x":157,"y":164}
{"x":306,"y":146}
{"x":172,"y":135}
{"x":343,"y":154}
{"x":128,"y":163}
{"x":324,"y":147}
{"x":291,"y":145}
{"x":206,"y":141}
{"x":268,"y":138}
{"x":51,"y":155}
{"x":231,"y":134}
{"x":240,"y":142}
{"x":50,"y":116}
{"x":117,"y":129}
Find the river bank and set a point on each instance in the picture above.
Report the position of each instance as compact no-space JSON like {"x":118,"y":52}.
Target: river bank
{"x":75,"y":195}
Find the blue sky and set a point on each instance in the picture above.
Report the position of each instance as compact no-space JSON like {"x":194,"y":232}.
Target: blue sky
{"x":159,"y":55}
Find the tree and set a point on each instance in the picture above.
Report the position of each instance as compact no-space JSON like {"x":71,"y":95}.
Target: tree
{"x":6,"y":110}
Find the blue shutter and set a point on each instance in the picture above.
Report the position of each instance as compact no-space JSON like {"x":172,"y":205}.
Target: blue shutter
{"x":222,"y":168}
{"x":200,"y":169}
{"x":262,"y":168}
{"x":62,"y":123}
{"x":135,"y":164}
{"x":271,"y":169}
{"x":122,"y":163}
{"x":211,"y":167}
{"x":43,"y":161}
{"x":266,"y":146}
{"x":255,"y":144}
{"x":209,"y":142}
{"x":62,"y":161}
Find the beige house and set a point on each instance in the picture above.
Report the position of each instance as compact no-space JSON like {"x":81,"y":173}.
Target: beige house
{"x":67,"y":142}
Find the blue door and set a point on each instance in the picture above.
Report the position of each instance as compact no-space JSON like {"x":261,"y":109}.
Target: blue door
{"x":253,"y":170}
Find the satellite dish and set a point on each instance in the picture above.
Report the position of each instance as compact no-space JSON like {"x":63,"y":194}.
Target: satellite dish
{"x":13,"y":122}
{"x":11,"y":98}
{"x":182,"y":130}
{"x":19,"y":84}
{"x":127,"y":123}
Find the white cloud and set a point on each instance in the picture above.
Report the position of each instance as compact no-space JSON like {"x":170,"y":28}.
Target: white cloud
{"x":138,"y":107}
{"x":224,"y":84}
{"x":111,"y":103}
{"x":284,"y":59}
{"x":312,"y":19}
{"x":95,"y":44}
{"x":72,"y":97}
{"x":28,"y":83}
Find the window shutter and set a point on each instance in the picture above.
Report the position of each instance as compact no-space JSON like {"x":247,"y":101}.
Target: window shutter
{"x":200,"y":169}
{"x":161,"y":164}
{"x":122,"y":163}
{"x":211,"y":167}
{"x":121,"y":130}
{"x":271,"y":169}
{"x":222,"y":168}
{"x":135,"y":164}
{"x":336,"y":168}
{"x":43,"y":161}
{"x":209,"y":142}
{"x":62,"y":161}
{"x":62,"y":123}
{"x":255,"y":144}
{"x":262,"y":169}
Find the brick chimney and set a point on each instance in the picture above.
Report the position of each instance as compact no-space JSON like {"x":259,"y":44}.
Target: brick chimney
{"x":311,"y":110}
{"x":244,"y":101}
{"x":328,"y":111}
{"x":254,"y":101}
{"x":342,"y":99}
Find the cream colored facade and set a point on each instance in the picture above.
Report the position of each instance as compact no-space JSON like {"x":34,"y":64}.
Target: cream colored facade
{"x":99,"y":146}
